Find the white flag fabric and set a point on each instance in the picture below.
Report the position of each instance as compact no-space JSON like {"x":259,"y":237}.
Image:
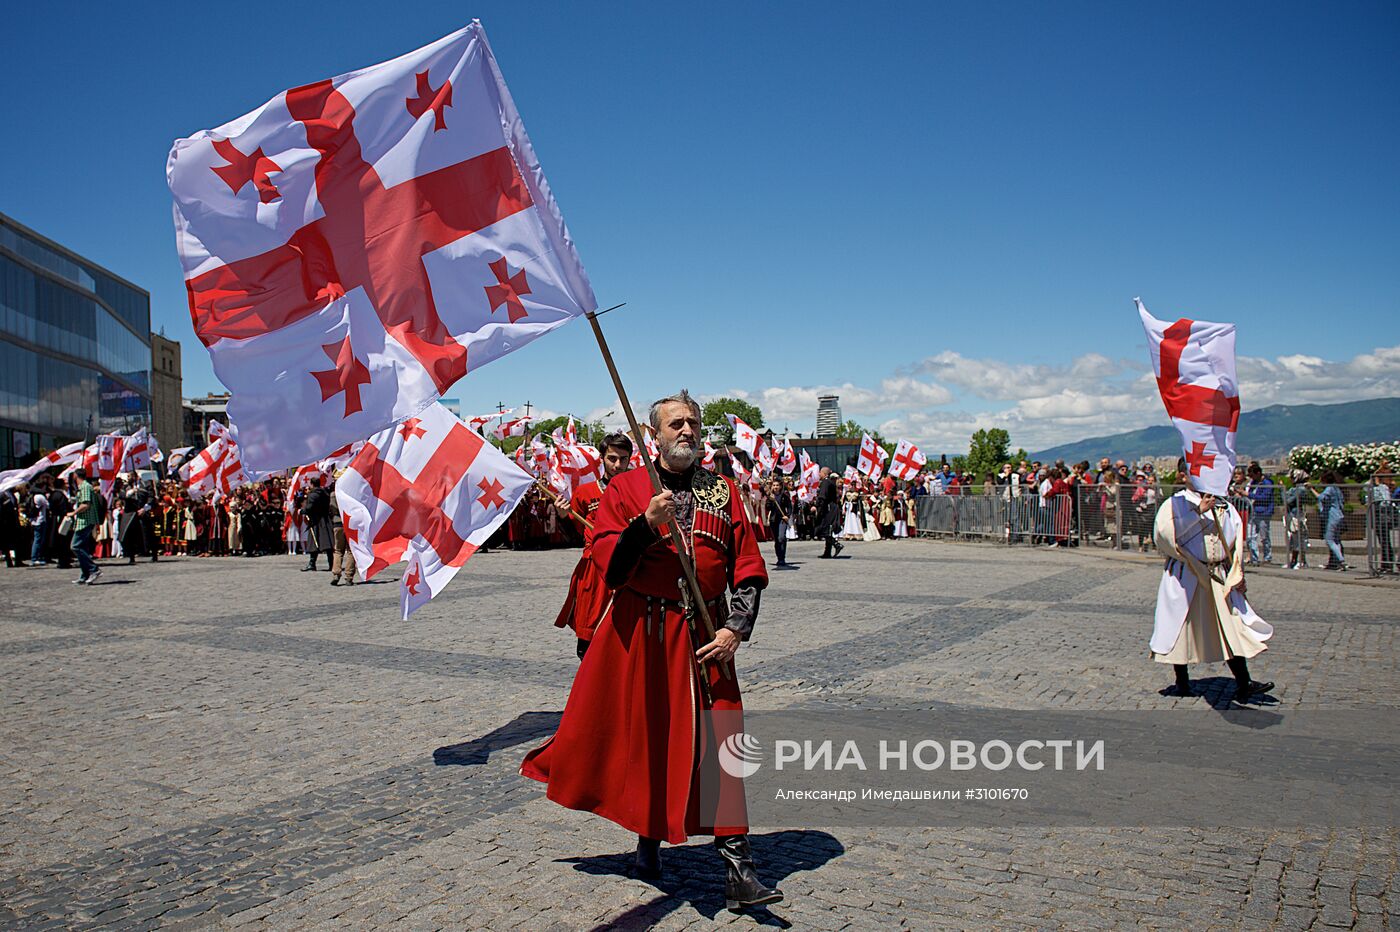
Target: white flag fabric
{"x":868,"y":462}
{"x":434,"y":494}
{"x":908,"y":460}
{"x":136,"y":453}
{"x":414,"y":591}
{"x":353,"y":246}
{"x":1194,"y":361}
{"x":512,"y":428}
{"x":785,"y":457}
{"x":752,"y":443}
{"x":110,"y":450}
{"x":60,"y":457}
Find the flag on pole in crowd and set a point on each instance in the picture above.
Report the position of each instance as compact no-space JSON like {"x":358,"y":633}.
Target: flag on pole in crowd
{"x":512,"y":428}
{"x":136,"y":453}
{"x":63,"y":456}
{"x":751,"y":442}
{"x":480,"y":421}
{"x":907,"y":461}
{"x":708,"y":460}
{"x":868,"y":462}
{"x":1194,"y":361}
{"x":110,"y":450}
{"x":784,"y":456}
{"x":433,"y":497}
{"x":809,"y":481}
{"x":349,"y":245}
{"x":218,"y":468}
{"x":850,"y":474}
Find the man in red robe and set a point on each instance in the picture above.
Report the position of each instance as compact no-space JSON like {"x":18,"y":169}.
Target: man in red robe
{"x":588,"y":594}
{"x":651,"y":701}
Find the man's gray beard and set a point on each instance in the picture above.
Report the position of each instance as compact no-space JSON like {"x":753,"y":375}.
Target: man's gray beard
{"x":676,"y":457}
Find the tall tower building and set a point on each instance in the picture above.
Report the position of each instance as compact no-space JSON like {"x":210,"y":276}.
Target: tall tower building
{"x":828,"y":415}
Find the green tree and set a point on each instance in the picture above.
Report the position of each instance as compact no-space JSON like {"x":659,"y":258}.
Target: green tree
{"x":712,"y":415}
{"x":854,"y":431}
{"x":989,"y":449}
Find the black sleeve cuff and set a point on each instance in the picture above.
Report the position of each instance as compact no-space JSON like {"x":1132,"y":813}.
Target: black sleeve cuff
{"x":743,"y":610}
{"x":631,"y":543}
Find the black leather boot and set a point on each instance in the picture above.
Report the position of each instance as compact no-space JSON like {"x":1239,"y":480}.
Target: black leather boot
{"x":741,"y":884}
{"x":1245,"y":688}
{"x":648,"y":855}
{"x":1183,"y":681}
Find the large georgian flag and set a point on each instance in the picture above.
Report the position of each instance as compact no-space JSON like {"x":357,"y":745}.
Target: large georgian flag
{"x":1194,"y":361}
{"x":908,"y":460}
{"x":428,"y":490}
{"x":352,"y":247}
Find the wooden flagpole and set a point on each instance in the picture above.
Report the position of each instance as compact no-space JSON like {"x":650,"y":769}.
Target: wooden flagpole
{"x":701,"y":608}
{"x":563,"y":504}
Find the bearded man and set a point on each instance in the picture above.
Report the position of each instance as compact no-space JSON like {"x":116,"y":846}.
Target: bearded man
{"x":589,"y":595}
{"x":650,"y":704}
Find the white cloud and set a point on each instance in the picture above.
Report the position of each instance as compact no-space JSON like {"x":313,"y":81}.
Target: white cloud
{"x":1002,"y":381}
{"x":799,"y":403}
{"x":1091,"y":396}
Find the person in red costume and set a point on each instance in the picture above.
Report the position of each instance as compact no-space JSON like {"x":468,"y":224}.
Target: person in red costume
{"x":649,"y":705}
{"x":588,"y":593}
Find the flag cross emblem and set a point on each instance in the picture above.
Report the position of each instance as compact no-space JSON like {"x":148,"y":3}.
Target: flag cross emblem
{"x":1198,"y":458}
{"x":367,"y":233}
{"x":417,"y":504}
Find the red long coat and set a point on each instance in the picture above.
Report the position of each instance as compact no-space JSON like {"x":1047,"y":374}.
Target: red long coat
{"x":634,"y":742}
{"x":588,"y":594}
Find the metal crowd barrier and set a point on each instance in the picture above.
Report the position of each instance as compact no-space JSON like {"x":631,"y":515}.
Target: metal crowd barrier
{"x":1284,"y":526}
{"x":988,"y":513}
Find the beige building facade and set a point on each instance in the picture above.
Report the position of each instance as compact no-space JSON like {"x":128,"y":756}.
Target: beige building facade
{"x":167,"y":408}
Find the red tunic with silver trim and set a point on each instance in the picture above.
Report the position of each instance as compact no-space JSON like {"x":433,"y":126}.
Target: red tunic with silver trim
{"x":588,"y":593}
{"x":637,"y":740}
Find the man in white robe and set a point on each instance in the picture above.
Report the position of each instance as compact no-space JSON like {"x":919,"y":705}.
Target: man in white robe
{"x":1202,"y":613}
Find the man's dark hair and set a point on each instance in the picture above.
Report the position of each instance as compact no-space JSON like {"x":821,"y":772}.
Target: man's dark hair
{"x":619,"y":441}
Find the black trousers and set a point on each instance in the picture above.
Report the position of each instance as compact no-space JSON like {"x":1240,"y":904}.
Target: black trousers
{"x":779,"y":532}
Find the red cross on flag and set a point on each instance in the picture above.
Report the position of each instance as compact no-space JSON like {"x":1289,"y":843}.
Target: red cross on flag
{"x":110,"y":452}
{"x":1194,"y":361}
{"x":785,"y":456}
{"x":136,"y":453}
{"x":751,"y":442}
{"x":60,"y":457}
{"x":414,"y":592}
{"x":868,"y":463}
{"x":708,"y":460}
{"x":435,"y":496}
{"x":352,"y":247}
{"x":907,"y":461}
{"x":512,"y":428}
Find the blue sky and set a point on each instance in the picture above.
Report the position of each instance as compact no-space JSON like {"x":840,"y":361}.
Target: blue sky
{"x":943,"y":211}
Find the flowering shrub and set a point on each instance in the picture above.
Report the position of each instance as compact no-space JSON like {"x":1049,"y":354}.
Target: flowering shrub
{"x":1351,"y":460}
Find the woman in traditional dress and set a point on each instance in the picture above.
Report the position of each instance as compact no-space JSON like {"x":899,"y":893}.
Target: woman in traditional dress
{"x":851,"y":528}
{"x":1202,"y":614}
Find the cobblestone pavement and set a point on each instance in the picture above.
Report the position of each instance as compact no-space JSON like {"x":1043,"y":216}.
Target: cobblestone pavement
{"x":233,"y":743}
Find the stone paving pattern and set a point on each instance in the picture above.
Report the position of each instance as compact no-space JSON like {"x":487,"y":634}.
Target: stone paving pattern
{"x":233,"y":743}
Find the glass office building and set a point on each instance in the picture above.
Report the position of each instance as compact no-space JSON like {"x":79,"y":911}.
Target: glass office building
{"x":75,"y":347}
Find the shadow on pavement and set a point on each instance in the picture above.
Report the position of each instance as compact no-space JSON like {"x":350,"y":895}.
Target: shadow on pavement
{"x":524,"y":728}
{"x":694,"y":875}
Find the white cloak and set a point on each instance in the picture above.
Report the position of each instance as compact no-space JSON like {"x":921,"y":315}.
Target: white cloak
{"x":1179,"y":533}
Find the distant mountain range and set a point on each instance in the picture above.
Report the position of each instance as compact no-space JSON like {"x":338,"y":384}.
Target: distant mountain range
{"x":1268,"y":432}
